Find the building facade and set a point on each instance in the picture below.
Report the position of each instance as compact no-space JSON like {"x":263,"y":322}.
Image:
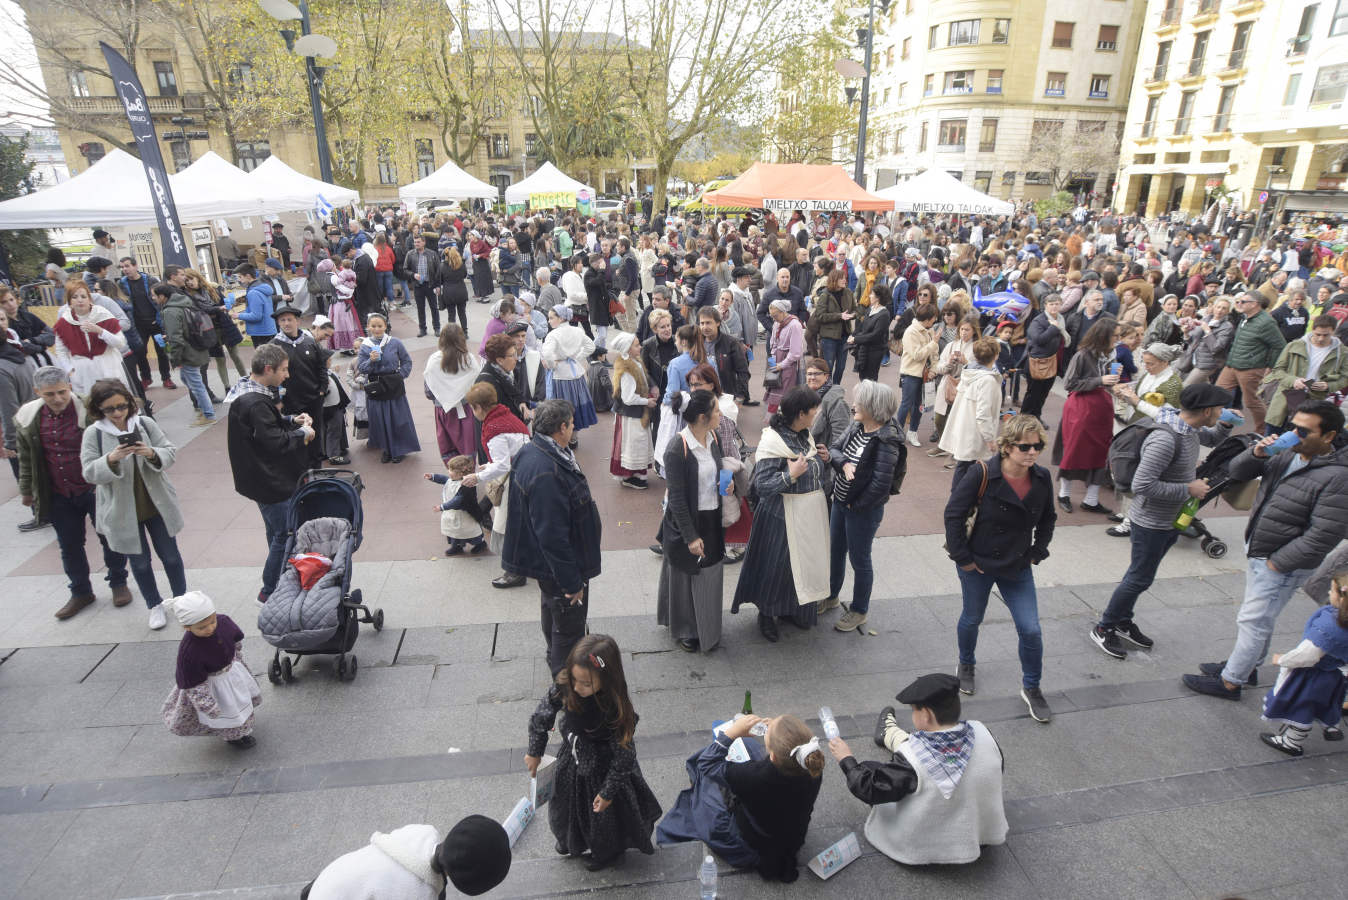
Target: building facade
{"x":1239,"y":98}
{"x":1015,"y":99}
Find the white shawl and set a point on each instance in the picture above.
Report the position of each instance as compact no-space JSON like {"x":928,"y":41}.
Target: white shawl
{"x":449,"y":389}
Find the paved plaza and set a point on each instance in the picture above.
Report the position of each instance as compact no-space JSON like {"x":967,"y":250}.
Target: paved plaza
{"x":1138,"y":788}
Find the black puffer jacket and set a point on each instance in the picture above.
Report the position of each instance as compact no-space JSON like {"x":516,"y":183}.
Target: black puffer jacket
{"x":875,"y":471}
{"x":1010,"y":533}
{"x":1296,"y":520}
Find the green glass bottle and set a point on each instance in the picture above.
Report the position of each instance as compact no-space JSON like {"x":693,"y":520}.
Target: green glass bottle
{"x":1185,"y":517}
{"x":748,"y":704}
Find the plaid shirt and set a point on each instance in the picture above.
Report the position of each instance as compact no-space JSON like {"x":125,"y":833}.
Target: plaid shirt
{"x":61,"y":437}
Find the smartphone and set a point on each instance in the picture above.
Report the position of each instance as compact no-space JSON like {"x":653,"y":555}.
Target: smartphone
{"x":128,"y":440}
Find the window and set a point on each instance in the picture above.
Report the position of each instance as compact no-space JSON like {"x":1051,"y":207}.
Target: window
{"x":1330,"y":82}
{"x":1186,"y":111}
{"x":1149,"y":121}
{"x":982,"y":181}
{"x":994,"y":81}
{"x":345,"y":157}
{"x":500,"y":181}
{"x":922,"y":139}
{"x":1062,"y":34}
{"x":79,"y":84}
{"x":889,"y":57}
{"x":1171,"y":14}
{"x":425,"y":157}
{"x":1108,"y":39}
{"x":1279,"y":156}
{"x":241,"y":76}
{"x":388,"y":171}
{"x":1227,"y":99}
{"x":1303,"y":38}
{"x":1038,"y":178}
{"x":931,"y":37}
{"x":1208,"y":6}
{"x":927,"y":85}
{"x":1338,"y":20}
{"x":1099,"y":87}
{"x":1239,"y":44}
{"x":952,"y":133}
{"x":182,"y":154}
{"x":1008,"y":178}
{"x":1162,"y":60}
{"x":168,"y":82}
{"x":907,"y":48}
{"x":93,"y":151}
{"x":1200,"y":51}
{"x":1056,"y":84}
{"x":252,"y":153}
{"x":964,"y":31}
{"x":886,"y":99}
{"x":531,"y":145}
{"x":903,"y":89}
{"x":961,"y":82}
{"x":898,"y":140}
{"x":1289,"y":95}
{"x":499,"y":146}
{"x":987,"y":139}
{"x":1001,"y":31}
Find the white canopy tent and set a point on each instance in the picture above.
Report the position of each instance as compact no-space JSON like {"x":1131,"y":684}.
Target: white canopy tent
{"x":937,"y":192}
{"x":215,"y":182}
{"x":547,"y":179}
{"x":449,"y":182}
{"x":283,"y":188}
{"x":111,"y":192}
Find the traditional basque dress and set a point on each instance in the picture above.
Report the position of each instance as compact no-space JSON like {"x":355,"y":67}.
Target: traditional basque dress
{"x":215,"y":691}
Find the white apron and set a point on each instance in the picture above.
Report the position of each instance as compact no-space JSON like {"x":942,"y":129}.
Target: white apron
{"x":234,"y":690}
{"x":806,"y":517}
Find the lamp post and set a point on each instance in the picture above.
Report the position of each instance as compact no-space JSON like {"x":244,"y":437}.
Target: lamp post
{"x":866,"y":40}
{"x":310,"y":45}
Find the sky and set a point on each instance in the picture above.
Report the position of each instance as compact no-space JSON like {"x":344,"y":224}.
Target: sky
{"x":15,"y":105}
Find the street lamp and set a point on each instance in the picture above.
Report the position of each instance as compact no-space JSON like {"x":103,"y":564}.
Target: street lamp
{"x":866,"y":41}
{"x":309,"y":45}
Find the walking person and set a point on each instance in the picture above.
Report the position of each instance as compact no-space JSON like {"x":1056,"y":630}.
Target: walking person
{"x":1299,"y":515}
{"x":306,"y":386}
{"x":973,"y":419}
{"x":692,"y":534}
{"x":1009,"y":499}
{"x":552,"y":528}
{"x":385,"y":364}
{"x":214,"y":693}
{"x":785,"y":348}
{"x":1045,"y":338}
{"x":137,"y":286}
{"x":865,"y":460}
{"x":257,"y":314}
{"x":125,"y":456}
{"x":1254,"y":350}
{"x":454,"y":288}
{"x":1163,"y":482}
{"x":207,"y":299}
{"x":178,"y":313}
{"x":267,"y":452}
{"x":1081,"y":443}
{"x":89,"y":340}
{"x":921,"y":352}
{"x":423,"y":267}
{"x":49,"y":433}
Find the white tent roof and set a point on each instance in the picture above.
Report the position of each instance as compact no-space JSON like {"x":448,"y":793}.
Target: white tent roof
{"x":283,"y":188}
{"x":217,"y":184}
{"x":938,"y":192}
{"x":449,"y":182}
{"x":546,"y":179}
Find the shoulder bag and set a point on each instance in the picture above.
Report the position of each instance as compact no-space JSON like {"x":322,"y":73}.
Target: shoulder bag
{"x":1043,"y":367}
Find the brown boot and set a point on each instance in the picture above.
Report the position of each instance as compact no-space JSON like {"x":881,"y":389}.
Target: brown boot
{"x":121,"y":595}
{"x":76,"y":603}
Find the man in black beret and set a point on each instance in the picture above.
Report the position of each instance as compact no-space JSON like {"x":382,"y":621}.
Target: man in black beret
{"x":939,"y":797}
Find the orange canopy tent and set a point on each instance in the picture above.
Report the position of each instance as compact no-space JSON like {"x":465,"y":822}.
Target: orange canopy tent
{"x":782,"y":187}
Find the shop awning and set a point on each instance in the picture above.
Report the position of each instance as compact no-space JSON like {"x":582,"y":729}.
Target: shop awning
{"x":783,"y":187}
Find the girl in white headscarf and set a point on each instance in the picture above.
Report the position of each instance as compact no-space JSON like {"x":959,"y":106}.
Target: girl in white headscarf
{"x":633,"y":399}
{"x":214,"y":692}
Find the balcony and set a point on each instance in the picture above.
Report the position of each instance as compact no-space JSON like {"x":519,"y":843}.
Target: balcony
{"x":1298,"y":45}
{"x":967,"y":89}
{"x":994,"y":90}
{"x":988,"y":148}
{"x":1206,"y":12}
{"x":1147,"y":130}
{"x":1157,"y":73}
{"x":1098,"y":95}
{"x":1221,"y":123}
{"x":1235,"y":60}
{"x":1195,"y":67}
{"x":1182,"y":126}
{"x":1170,"y":19}
{"x":1107,"y":46}
{"x":1055,"y":92}
{"x":112,"y":106}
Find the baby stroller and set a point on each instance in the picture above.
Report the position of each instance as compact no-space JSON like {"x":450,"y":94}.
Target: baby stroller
{"x":325,"y":519}
{"x":1238,"y":494}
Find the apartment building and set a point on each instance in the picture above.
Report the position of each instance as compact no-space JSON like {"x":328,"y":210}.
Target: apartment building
{"x":1238,"y":97}
{"x":1015,"y":99}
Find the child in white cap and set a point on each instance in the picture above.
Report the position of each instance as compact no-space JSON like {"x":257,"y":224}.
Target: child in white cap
{"x":215,"y":692}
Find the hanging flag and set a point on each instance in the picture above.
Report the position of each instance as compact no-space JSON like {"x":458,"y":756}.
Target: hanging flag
{"x":322,"y":208}
{"x":137,"y":109}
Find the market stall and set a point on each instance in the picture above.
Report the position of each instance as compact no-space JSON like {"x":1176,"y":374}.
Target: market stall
{"x":937,"y":192}
{"x":784,"y":187}
{"x":283,"y":188}
{"x":547,"y":187}
{"x":449,"y":182}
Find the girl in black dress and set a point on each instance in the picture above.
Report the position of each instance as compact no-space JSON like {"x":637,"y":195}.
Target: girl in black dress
{"x":601,"y":801}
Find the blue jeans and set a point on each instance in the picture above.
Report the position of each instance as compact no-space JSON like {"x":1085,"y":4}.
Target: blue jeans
{"x":142,"y":566}
{"x":851,"y":534}
{"x":191,"y":377}
{"x":1017,"y":590}
{"x":527,"y":271}
{"x":834,"y":351}
{"x":274,"y":518}
{"x":1266,"y":593}
{"x":67,"y":516}
{"x":406,"y":289}
{"x":1150,"y":546}
{"x":910,"y":404}
{"x":385,"y":281}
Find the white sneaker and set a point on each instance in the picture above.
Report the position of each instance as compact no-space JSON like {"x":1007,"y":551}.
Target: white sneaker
{"x":158,"y":618}
{"x":914,"y":439}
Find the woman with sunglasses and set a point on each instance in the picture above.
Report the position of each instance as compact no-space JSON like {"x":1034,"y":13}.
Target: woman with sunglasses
{"x":126,"y":456}
{"x":998,"y":523}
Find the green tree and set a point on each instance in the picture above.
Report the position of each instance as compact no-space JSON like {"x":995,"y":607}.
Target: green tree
{"x":809,"y":119}
{"x":27,"y":248}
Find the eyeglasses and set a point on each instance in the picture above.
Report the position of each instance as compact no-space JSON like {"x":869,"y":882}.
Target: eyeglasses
{"x":1026,"y":448}
{"x":814,"y":374}
{"x":120,"y":407}
{"x":1302,"y":430}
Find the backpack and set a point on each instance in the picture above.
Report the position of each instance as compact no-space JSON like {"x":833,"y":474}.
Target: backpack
{"x":201,"y":332}
{"x":600,"y":384}
{"x":900,"y":469}
{"x":1125,"y":451}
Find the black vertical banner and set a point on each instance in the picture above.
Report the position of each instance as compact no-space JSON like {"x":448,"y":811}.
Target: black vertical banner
{"x":137,"y":108}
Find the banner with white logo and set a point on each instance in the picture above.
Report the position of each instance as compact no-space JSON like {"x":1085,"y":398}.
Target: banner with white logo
{"x":806,"y":205}
{"x":137,"y":109}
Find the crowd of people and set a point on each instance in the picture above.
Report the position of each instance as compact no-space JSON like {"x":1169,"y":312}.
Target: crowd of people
{"x":1162,"y":331}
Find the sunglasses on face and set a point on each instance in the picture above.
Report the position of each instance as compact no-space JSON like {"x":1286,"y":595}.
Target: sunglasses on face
{"x":1302,"y":430}
{"x":122,"y":407}
{"x":1026,"y":448}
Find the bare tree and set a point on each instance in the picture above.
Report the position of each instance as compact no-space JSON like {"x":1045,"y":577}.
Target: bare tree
{"x":459,"y":66}
{"x":1064,"y":153}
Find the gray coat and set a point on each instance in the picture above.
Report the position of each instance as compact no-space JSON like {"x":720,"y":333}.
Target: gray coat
{"x":1298,"y":519}
{"x":115,"y":518}
{"x":16,"y":389}
{"x":832,"y":420}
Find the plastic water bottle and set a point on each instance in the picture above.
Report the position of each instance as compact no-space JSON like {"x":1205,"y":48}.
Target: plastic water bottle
{"x":706,"y":877}
{"x":829,"y":724}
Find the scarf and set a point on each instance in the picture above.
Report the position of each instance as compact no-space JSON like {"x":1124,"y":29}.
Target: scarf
{"x":556,"y":450}
{"x":449,"y":388}
{"x":249,"y":386}
{"x":500,"y":419}
{"x":282,"y":338}
{"x":373,"y":344}
{"x":132,"y":426}
{"x":80,"y":342}
{"x":944,"y":755}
